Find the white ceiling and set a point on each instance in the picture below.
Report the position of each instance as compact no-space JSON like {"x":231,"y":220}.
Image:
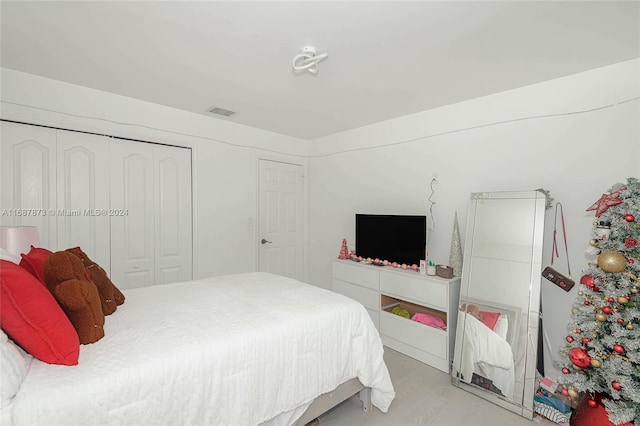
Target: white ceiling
{"x":386,"y":58}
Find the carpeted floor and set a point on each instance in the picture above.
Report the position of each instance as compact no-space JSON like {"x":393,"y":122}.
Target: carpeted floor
{"x":425,"y":397}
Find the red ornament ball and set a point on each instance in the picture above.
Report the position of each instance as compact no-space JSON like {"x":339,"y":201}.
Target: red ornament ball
{"x":585,"y":340}
{"x":592,"y":403}
{"x":588,"y":280}
{"x":587,"y":303}
{"x":569,"y":339}
{"x":606,"y":310}
{"x":565,"y":370}
{"x":617,"y":386}
{"x":611,"y":299}
{"x":620,"y":321}
{"x":580,"y":358}
{"x":629,"y":217}
{"x":564,"y":391}
{"x":618,"y":348}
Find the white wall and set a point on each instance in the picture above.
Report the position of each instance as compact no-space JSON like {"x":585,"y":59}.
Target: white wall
{"x":575,"y":156}
{"x":225,"y":156}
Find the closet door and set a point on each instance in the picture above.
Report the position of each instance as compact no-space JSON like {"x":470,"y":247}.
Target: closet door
{"x":83,"y":195}
{"x":151,"y":243}
{"x":132,"y":234}
{"x":127,"y":204}
{"x":173,"y":246}
{"x":28,"y":161}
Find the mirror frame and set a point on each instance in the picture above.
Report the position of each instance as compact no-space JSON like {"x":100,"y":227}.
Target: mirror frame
{"x":521,"y":405}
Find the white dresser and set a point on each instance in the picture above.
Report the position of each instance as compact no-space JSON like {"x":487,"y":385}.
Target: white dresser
{"x":381,"y":288}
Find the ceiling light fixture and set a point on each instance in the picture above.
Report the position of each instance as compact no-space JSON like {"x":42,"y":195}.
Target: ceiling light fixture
{"x":308,"y":60}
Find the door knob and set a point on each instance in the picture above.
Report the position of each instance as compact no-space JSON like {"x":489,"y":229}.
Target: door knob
{"x":263,"y":241}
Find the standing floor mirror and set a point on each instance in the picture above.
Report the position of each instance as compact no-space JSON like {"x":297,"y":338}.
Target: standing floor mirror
{"x":497,"y":330}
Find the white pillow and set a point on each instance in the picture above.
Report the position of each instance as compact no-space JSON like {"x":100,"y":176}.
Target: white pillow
{"x":5,"y":255}
{"x":502,"y":326}
{"x":14,"y":363}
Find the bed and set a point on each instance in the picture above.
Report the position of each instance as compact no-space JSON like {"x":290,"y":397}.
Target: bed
{"x":486,"y":356}
{"x":246,"y":349}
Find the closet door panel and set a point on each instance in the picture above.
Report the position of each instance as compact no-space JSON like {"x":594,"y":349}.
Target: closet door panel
{"x":127,"y":204}
{"x":29,"y":179}
{"x":132,"y":235}
{"x":83,"y":195}
{"x":173,"y":246}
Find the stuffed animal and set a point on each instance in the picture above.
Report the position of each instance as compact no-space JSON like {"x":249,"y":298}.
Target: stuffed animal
{"x":70,"y":284}
{"x":473,"y":310}
{"x":110,"y":296}
{"x":401,"y":312}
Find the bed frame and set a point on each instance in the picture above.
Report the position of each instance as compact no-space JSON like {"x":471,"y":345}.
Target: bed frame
{"x":329,"y":400}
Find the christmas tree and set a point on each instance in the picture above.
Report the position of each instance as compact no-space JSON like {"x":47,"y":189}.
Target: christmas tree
{"x":602,"y":355}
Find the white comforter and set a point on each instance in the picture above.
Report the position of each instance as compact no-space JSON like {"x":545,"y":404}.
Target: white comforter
{"x":233,"y":350}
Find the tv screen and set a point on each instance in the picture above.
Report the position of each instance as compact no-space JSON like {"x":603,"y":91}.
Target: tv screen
{"x":396,"y":238}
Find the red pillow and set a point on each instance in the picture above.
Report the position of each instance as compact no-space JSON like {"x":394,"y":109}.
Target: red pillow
{"x":489,"y":318}
{"x":30,"y":315}
{"x":34,"y":261}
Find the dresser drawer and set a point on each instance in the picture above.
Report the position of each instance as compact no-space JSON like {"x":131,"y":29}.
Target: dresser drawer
{"x":354,"y":273}
{"x":428,"y":339}
{"x":430,"y":292}
{"x":369,"y":298}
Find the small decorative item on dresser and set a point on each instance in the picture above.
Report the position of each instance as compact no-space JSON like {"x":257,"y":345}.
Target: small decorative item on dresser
{"x":344,"y":251}
{"x":444,"y":271}
{"x":423,"y":267}
{"x":455,"y":256}
{"x":431,"y":268}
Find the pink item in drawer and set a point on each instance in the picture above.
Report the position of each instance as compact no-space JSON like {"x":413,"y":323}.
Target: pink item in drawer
{"x":429,"y":320}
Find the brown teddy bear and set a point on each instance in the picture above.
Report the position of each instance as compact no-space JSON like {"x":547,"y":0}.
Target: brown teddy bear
{"x":473,"y":310}
{"x":110,"y":296}
{"x":70,"y":284}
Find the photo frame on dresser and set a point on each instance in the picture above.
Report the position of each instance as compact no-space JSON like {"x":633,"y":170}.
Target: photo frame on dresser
{"x":496,"y":341}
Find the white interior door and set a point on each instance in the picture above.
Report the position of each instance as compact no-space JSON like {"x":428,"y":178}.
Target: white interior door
{"x":127,"y":204}
{"x":173,"y":245}
{"x":132,"y":234}
{"x":29,"y":179}
{"x":280,"y":222}
{"x":152,"y":242}
{"x":83,"y":195}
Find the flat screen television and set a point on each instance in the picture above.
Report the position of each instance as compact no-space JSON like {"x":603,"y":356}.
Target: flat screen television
{"x":396,"y":238}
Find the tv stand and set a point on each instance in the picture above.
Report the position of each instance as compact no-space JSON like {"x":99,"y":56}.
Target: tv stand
{"x":380,"y":289}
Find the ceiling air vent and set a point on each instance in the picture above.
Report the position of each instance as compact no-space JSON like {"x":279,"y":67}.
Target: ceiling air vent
{"x":221,"y":111}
